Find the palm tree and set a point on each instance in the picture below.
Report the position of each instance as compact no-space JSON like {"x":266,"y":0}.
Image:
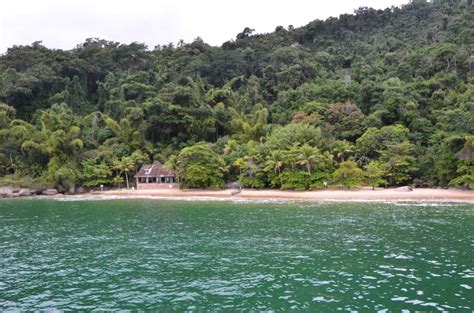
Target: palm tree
{"x":124,"y":165}
{"x":128,"y":133}
{"x":57,"y":135}
{"x":275,"y":161}
{"x":342,"y":149}
{"x":139,"y":158}
{"x":240,"y":164}
{"x":307,"y":156}
{"x":231,"y":146}
{"x":173,"y":164}
{"x":291,"y":155}
{"x":250,"y":126}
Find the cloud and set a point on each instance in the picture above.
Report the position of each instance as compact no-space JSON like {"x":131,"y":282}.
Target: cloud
{"x":64,"y":24}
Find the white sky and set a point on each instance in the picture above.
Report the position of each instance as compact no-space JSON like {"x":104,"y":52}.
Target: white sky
{"x":65,"y":23}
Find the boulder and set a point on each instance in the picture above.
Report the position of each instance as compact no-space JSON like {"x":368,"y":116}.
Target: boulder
{"x":81,"y":190}
{"x":50,"y":192}
{"x":233,"y":185}
{"x":5,"y":191}
{"x":9,"y":192}
{"x":24,"y":192}
{"x":36,"y":190}
{"x":71,"y":191}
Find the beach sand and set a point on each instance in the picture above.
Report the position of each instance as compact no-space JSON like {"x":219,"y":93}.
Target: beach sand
{"x":366,"y":193}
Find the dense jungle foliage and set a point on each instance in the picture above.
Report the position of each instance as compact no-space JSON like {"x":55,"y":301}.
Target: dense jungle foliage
{"x":378,"y":97}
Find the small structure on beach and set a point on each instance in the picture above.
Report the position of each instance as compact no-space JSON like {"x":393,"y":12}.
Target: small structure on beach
{"x":155,"y":176}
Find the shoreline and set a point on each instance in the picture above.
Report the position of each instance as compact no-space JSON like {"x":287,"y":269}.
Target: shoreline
{"x":363,"y":194}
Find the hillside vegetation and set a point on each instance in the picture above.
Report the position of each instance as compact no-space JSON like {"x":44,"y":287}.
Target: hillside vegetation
{"x":383,"y":97}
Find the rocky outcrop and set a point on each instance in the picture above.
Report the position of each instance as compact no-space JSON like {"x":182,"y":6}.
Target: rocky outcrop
{"x":81,"y":190}
{"x":5,"y":191}
{"x":8,"y":191}
{"x":71,"y":191}
{"x":50,"y":192}
{"x":24,"y":192}
{"x":37,"y":190}
{"x":14,"y":192}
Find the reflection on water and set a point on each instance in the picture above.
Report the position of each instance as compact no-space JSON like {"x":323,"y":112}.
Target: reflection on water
{"x":157,"y":254}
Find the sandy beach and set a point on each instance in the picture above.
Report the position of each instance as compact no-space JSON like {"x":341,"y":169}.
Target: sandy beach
{"x":366,"y":193}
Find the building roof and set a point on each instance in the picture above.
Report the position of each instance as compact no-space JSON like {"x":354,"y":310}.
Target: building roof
{"x":154,"y":170}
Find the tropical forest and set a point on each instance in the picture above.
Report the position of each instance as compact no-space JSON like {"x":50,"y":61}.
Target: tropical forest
{"x":373,"y":98}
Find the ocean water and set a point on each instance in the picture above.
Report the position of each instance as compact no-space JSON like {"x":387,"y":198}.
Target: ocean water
{"x":167,"y":255}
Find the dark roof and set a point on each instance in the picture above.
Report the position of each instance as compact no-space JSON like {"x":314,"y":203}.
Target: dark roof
{"x":154,"y":170}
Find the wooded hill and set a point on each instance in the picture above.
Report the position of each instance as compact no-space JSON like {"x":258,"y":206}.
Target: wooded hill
{"x":384,"y":97}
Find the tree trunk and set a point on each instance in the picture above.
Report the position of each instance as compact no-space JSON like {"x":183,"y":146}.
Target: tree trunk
{"x":126,"y":178}
{"x":13,"y":167}
{"x":281,"y":180}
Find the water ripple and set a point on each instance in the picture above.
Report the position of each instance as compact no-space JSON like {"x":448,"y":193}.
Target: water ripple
{"x":180,"y":255}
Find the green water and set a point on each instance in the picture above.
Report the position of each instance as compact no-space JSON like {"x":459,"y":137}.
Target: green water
{"x":162,"y":255}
